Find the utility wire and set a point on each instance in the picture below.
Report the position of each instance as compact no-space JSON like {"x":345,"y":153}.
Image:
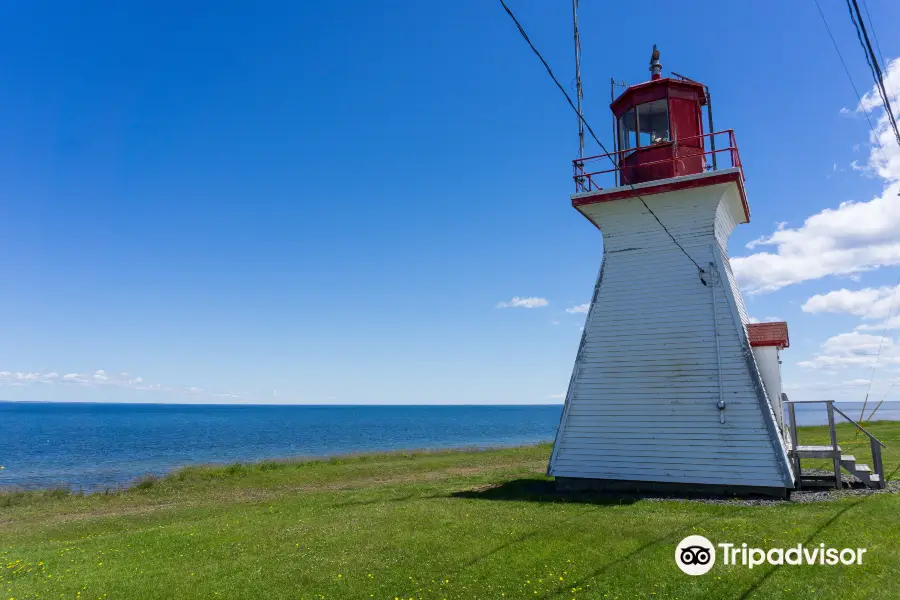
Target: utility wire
{"x":587,"y":126}
{"x":874,"y":35}
{"x":887,"y":324}
{"x":878,"y":142}
{"x":883,"y":398}
{"x":853,"y":85}
{"x":872,"y":61}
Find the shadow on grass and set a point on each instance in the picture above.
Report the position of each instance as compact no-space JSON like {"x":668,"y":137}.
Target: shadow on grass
{"x":350,"y":503}
{"x":666,"y":538}
{"x":837,"y":515}
{"x":756,"y":584}
{"x":542,"y":490}
{"x":395,"y":499}
{"x":528,"y":535}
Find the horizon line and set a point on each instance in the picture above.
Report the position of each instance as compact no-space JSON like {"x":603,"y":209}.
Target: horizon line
{"x":267,"y":403}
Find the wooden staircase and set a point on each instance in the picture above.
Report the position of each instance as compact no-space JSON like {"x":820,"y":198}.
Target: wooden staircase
{"x":847,"y":462}
{"x":861,"y":472}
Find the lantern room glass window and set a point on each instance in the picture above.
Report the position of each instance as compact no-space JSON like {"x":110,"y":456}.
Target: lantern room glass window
{"x":627,"y":129}
{"x":644,"y":125}
{"x":653,"y":123}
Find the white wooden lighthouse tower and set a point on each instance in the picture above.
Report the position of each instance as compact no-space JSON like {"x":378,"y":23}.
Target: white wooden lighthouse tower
{"x":666,"y":392}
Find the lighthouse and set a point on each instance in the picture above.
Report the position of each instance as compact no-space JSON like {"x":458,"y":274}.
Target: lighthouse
{"x":673,"y":389}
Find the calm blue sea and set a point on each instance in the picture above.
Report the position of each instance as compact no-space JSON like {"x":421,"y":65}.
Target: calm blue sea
{"x":95,"y":446}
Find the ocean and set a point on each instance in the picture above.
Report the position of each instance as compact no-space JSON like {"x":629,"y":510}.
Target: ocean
{"x":97,"y":446}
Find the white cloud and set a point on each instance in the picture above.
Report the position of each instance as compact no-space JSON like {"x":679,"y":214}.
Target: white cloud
{"x":101,"y":378}
{"x":766,"y":320}
{"x":853,"y":238}
{"x":556,"y":396}
{"x":892,"y":323}
{"x":519,"y":302}
{"x":20,"y":377}
{"x":581,"y":308}
{"x":872,"y":304}
{"x":884,"y":161}
{"x":854,"y":349}
{"x":868,"y":303}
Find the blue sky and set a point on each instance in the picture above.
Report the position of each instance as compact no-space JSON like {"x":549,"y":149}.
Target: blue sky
{"x":326,"y":202}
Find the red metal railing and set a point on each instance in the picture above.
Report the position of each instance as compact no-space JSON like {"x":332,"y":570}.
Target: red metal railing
{"x":687,"y":157}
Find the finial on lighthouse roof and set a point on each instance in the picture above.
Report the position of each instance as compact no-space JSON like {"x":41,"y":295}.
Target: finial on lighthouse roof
{"x":655,"y":65}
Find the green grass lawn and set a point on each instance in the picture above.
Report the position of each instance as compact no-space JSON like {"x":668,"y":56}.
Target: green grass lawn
{"x":443,"y":525}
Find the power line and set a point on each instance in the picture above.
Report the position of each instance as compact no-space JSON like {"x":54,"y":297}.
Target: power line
{"x":849,"y":78}
{"x":872,"y":61}
{"x":552,"y":76}
{"x":879,"y":85}
{"x":874,"y":35}
{"x":887,"y":324}
{"x":883,"y":398}
{"x":587,"y":125}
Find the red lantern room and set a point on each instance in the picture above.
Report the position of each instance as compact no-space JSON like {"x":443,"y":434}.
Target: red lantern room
{"x":659,"y":128}
{"x":659,"y":136}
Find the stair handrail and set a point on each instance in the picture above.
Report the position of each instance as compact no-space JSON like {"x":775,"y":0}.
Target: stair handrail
{"x":874,"y":443}
{"x":860,"y":427}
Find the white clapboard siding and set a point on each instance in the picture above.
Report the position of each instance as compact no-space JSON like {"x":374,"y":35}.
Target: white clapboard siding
{"x":641,"y":404}
{"x":660,"y":451}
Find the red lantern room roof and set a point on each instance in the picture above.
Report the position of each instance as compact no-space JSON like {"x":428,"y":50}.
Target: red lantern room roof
{"x":768,"y":334}
{"x":658,"y":89}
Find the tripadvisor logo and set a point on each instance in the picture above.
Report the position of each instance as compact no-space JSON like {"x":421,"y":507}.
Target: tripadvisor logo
{"x":696,"y":555}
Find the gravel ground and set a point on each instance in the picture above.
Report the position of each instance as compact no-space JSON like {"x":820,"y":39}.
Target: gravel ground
{"x":852,"y":487}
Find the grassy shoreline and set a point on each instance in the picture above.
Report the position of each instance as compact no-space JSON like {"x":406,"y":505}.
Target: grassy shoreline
{"x":149,"y":479}
{"x":444,"y":524}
